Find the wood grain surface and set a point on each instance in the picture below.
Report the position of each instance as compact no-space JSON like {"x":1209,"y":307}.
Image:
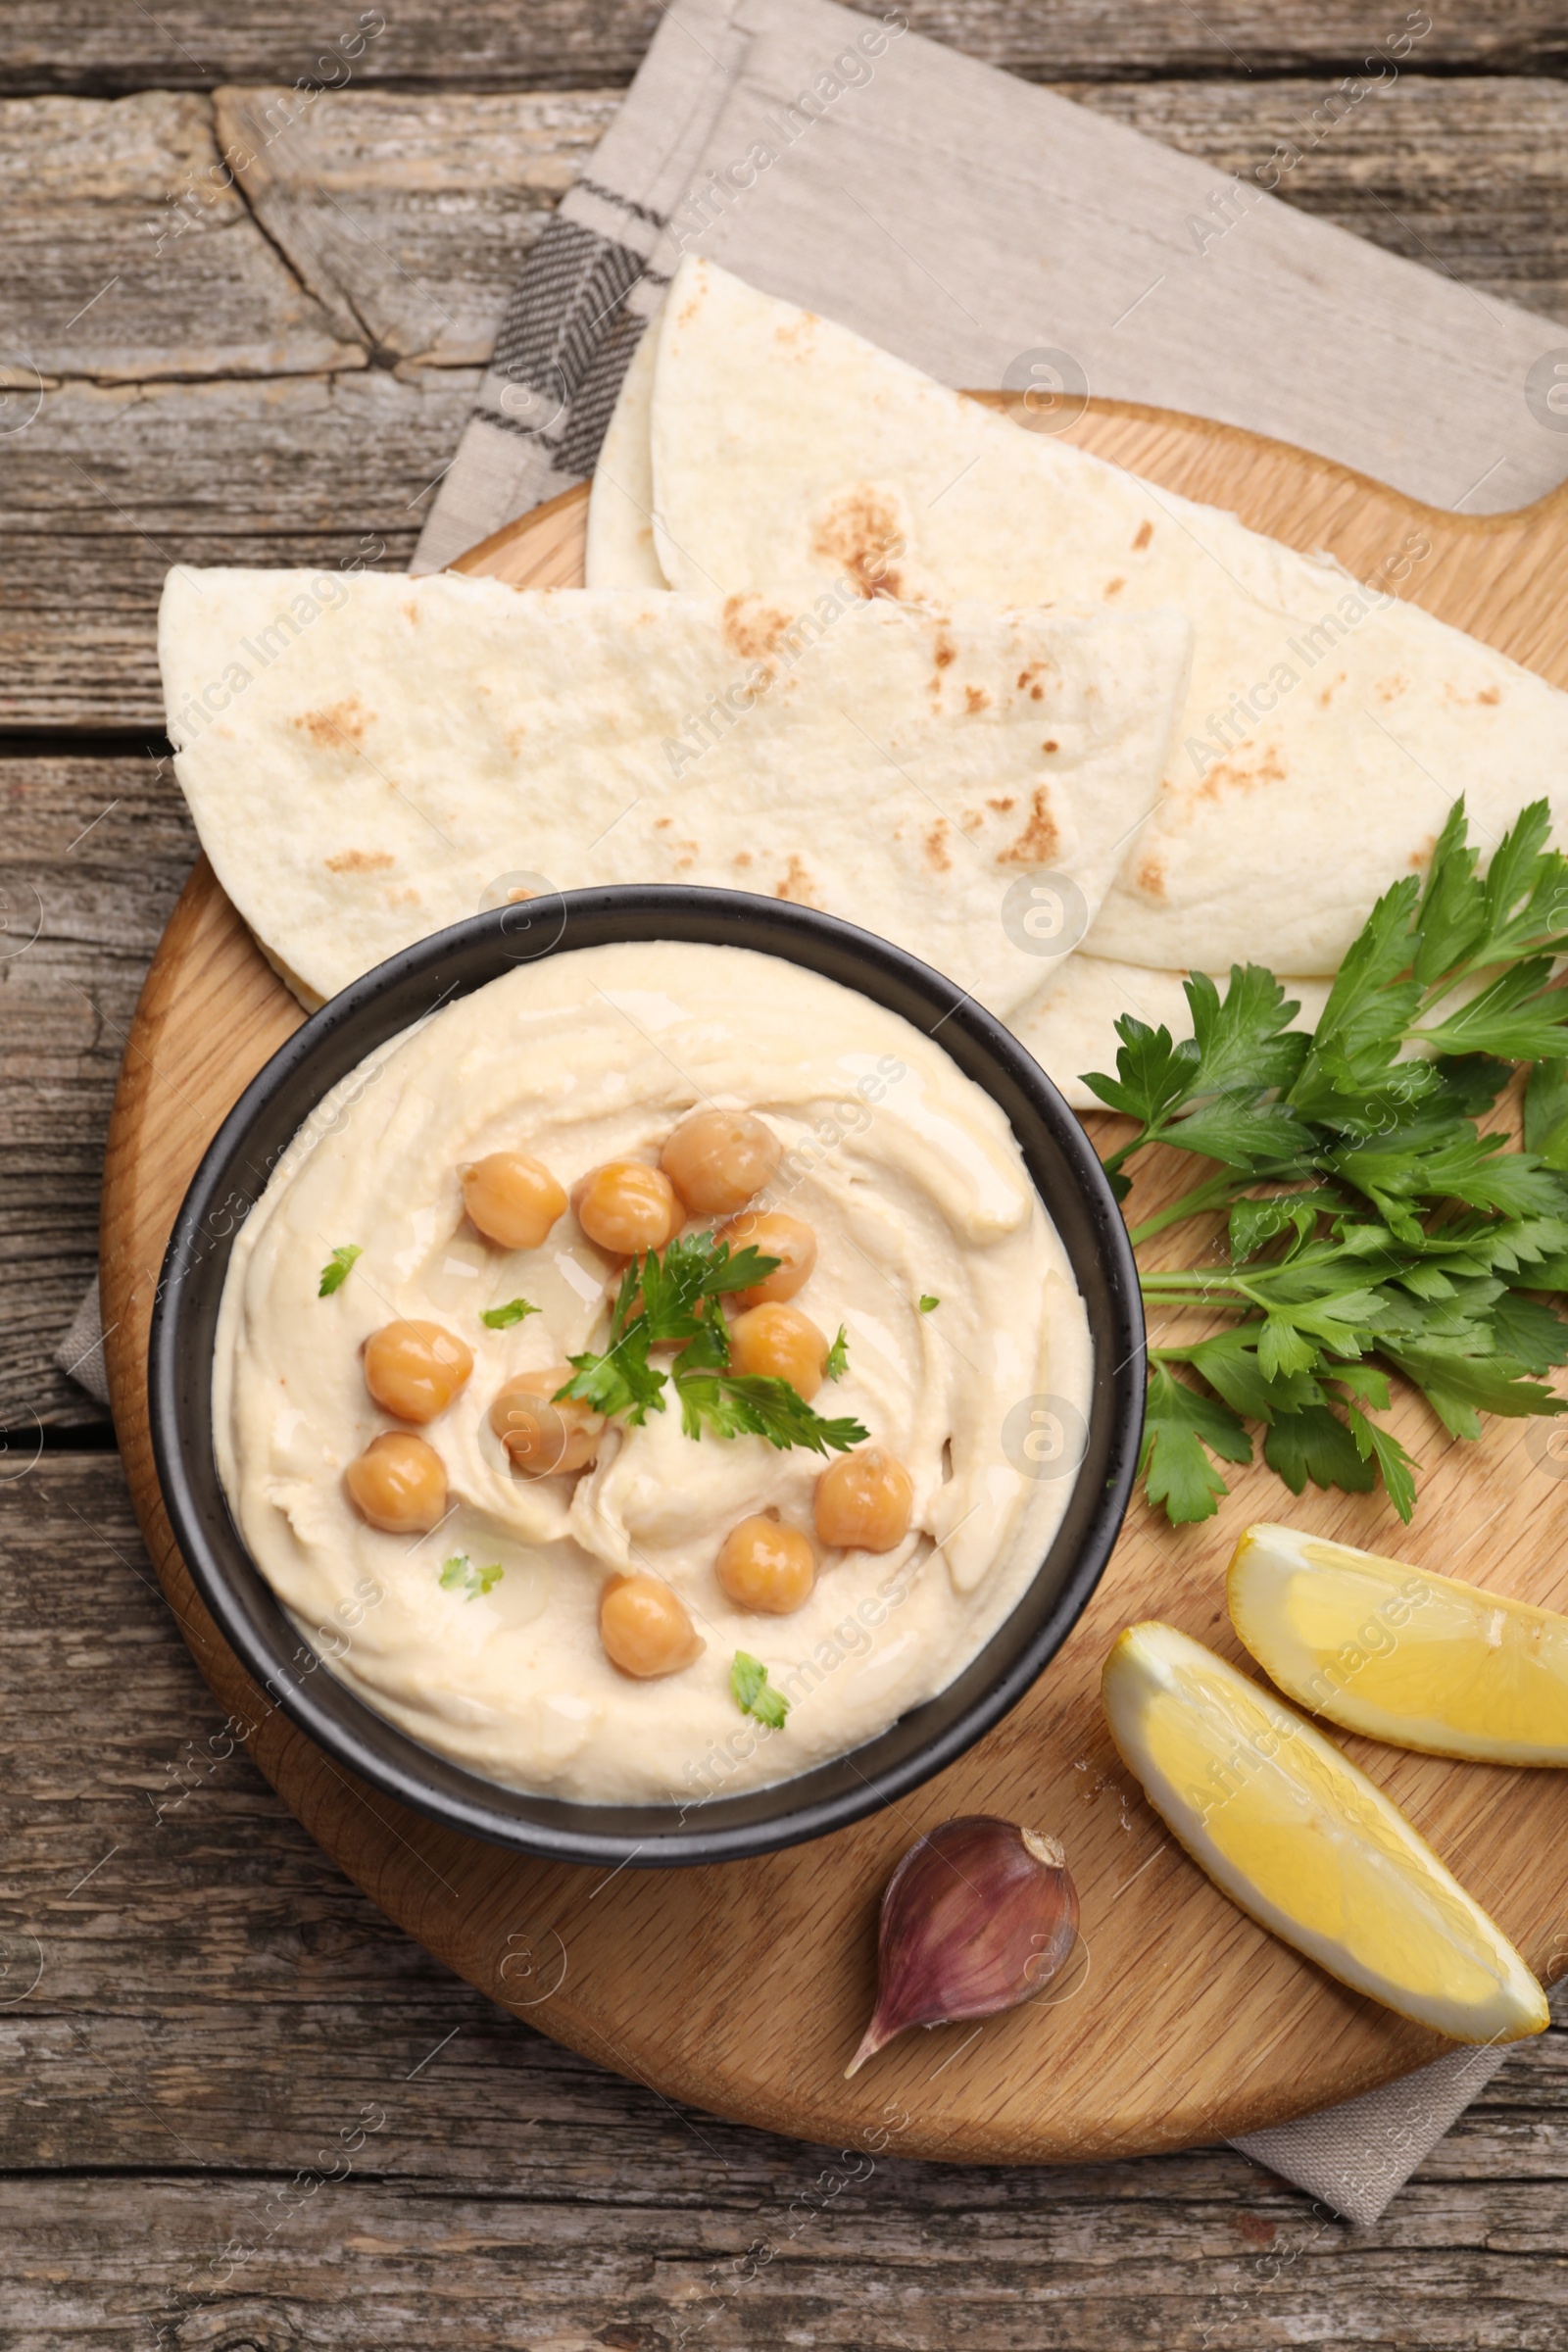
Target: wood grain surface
{"x":215,"y":2003}
{"x":744,"y":1989}
{"x":322,"y":313}
{"x":215,"y":1998}
{"x":100,"y":46}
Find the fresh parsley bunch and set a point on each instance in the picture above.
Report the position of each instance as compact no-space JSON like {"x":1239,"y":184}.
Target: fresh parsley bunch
{"x":671,"y":1299}
{"x":1368,"y":1213}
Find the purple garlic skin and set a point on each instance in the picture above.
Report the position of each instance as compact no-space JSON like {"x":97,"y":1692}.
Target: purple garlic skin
{"x":978,"y":1915}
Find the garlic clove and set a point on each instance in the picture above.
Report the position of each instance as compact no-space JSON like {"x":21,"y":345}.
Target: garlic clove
{"x":979,"y":1914}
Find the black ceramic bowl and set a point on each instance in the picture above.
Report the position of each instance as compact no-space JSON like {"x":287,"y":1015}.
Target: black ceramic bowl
{"x":389,"y":1000}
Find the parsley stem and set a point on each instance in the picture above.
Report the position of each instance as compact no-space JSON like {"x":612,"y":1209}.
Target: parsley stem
{"x":1183,"y":1285}
{"x":1215,"y":1194}
{"x":1145,"y":1135}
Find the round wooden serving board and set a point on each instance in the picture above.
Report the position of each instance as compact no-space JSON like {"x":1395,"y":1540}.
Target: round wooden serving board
{"x":744,"y":1989}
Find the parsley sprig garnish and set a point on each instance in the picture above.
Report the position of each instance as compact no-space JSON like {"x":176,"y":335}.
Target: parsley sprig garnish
{"x":1368,"y":1213}
{"x":671,"y":1299}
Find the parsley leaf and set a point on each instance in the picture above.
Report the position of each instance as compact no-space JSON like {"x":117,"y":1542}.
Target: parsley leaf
{"x":1246,"y":1041}
{"x":1315,"y":1444}
{"x":619,"y":1382}
{"x":1546,"y":1114}
{"x":1178,"y":1423}
{"x":928,"y":1302}
{"x":837,"y":1362}
{"x":1375,"y":1208}
{"x":335,"y":1272}
{"x":502,"y":1318}
{"x":753,"y":1404}
{"x":753,"y":1695}
{"x":1152,"y":1075}
{"x":460,"y":1575}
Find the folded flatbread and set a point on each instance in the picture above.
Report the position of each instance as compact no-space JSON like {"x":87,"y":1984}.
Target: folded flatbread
{"x":620,"y":511}
{"x":369,"y":758}
{"x":1327,"y":729}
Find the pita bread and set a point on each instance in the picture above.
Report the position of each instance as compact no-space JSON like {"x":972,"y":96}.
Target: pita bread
{"x":1326,"y":729}
{"x":620,"y":511}
{"x":370,"y":757}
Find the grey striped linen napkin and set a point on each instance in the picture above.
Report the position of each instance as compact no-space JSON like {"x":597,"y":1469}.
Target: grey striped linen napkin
{"x":993,"y":234}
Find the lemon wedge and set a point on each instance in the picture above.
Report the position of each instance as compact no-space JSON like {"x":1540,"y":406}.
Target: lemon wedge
{"x":1305,"y":1844}
{"x":1416,"y":1659}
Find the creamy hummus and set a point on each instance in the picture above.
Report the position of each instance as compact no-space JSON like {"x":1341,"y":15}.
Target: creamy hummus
{"x":916,"y":1187}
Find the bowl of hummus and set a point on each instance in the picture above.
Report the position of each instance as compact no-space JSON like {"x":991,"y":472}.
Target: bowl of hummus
{"x":648,"y":1374}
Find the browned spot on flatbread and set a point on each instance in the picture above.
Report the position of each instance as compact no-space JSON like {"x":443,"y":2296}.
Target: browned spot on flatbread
{"x":662,"y":824}
{"x":936,"y":848}
{"x":1115,"y":588}
{"x":1003,"y":807}
{"x":338,"y":722}
{"x":1037,"y":843}
{"x":742,"y":857}
{"x":1490,"y":694}
{"x":412,"y":610}
{"x":359,"y":861}
{"x":750,"y":629}
{"x":975,"y":698}
{"x":1232,"y":776}
{"x":1145,"y":532}
{"x":944,"y":652}
{"x":1389,"y":690}
{"x":1051,"y":744}
{"x":797,"y":885}
{"x":858,"y":535}
{"x":1151,"y":878}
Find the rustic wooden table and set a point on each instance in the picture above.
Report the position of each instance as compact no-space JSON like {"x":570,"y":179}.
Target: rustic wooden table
{"x":194,"y":2007}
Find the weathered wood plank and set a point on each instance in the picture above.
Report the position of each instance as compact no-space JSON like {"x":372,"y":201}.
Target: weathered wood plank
{"x":92,"y":856}
{"x":110,"y":483}
{"x":411,"y":214}
{"x":100,"y":274}
{"x":110,"y":487}
{"x":389,"y":227}
{"x":214,"y":2009}
{"x":99,"y":46}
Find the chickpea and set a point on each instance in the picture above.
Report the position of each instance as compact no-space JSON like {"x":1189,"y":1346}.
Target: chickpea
{"x":718,"y":1159}
{"x":512,"y":1200}
{"x":626,"y":1205}
{"x":414,"y":1370}
{"x":398,"y":1483}
{"x":783,"y":1343}
{"x":541,"y":1436}
{"x":864,"y":1501}
{"x":765,"y":1565}
{"x":774,"y":1235}
{"x":645,"y":1628}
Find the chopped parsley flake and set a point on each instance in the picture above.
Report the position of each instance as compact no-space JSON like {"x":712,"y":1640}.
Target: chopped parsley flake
{"x":460,"y":1575}
{"x":335,"y":1272}
{"x":502,"y":1318}
{"x":753,"y":1695}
